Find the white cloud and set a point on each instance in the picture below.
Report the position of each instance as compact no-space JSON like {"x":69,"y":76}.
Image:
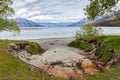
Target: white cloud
{"x":50,"y":10}
{"x":41,"y":17}
{"x":21,"y":11}
{"x":117,"y":7}
{"x":30,"y":1}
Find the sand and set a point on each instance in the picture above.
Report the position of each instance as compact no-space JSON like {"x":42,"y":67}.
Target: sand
{"x":59,"y":59}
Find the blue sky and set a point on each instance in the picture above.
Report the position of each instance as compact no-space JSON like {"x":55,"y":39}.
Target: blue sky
{"x":50,"y":10}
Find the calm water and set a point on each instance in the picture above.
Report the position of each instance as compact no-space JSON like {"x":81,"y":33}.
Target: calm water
{"x":52,"y":32}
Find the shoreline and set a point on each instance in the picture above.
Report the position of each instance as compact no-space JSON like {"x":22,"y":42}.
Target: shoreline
{"x":53,"y":38}
{"x":53,"y":42}
{"x":31,"y":28}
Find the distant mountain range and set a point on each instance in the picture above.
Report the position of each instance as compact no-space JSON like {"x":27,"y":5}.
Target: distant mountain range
{"x":27,"y":23}
{"x":97,"y":20}
{"x":58,"y":24}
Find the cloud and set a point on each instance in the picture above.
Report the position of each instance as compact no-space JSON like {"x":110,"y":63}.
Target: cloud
{"x":50,"y":10}
{"x":30,"y":1}
{"x":40,"y":18}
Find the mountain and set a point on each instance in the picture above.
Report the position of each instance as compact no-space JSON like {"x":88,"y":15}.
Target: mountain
{"x":79,"y":23}
{"x":97,"y":20}
{"x":26,"y":23}
{"x":113,"y":22}
{"x":51,"y":24}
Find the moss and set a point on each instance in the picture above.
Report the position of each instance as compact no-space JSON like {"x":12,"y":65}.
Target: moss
{"x":34,"y":48}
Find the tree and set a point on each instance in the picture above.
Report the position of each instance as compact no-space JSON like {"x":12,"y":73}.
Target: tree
{"x":88,"y":31}
{"x":7,"y":11}
{"x":99,"y":7}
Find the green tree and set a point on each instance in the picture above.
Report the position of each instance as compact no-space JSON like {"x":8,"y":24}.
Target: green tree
{"x":99,"y":7}
{"x":88,"y":31}
{"x":7,"y":11}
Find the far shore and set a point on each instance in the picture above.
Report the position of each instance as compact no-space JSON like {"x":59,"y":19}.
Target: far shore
{"x":30,"y":28}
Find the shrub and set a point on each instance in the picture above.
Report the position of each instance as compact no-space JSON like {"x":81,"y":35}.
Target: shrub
{"x":81,"y":45}
{"x":99,"y":52}
{"x":34,"y":48}
{"x":75,"y":44}
{"x":88,"y":31}
{"x":106,"y":56}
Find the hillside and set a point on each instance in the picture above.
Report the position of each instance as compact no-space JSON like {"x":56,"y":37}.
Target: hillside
{"x":26,"y":23}
{"x":114,"y":22}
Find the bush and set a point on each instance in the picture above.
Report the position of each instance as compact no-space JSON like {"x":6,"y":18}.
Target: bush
{"x":88,"y":31}
{"x":81,"y":45}
{"x":75,"y":44}
{"x":34,"y":48}
{"x":99,"y":52}
{"x":106,"y":56}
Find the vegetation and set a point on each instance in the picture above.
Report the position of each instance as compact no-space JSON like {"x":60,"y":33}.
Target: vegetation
{"x":81,"y":45}
{"x":5,"y":12}
{"x":34,"y":48}
{"x":104,"y":54}
{"x":11,"y":68}
{"x":88,"y":31}
{"x":99,"y":7}
{"x":111,"y":74}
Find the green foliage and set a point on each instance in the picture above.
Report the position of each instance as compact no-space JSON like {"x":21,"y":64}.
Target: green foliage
{"x":99,"y":7}
{"x":88,"y":31}
{"x":34,"y":48}
{"x":107,"y":55}
{"x":75,"y":44}
{"x":81,"y":45}
{"x":104,"y":54}
{"x":108,"y":43}
{"x":5,"y":12}
{"x":99,"y":52}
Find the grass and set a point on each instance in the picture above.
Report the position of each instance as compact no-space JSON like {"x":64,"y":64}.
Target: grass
{"x":81,"y":45}
{"x":103,"y":52}
{"x":111,"y":74}
{"x":34,"y":48}
{"x":11,"y":68}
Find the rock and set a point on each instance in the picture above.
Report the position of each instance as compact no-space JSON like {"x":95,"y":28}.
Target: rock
{"x":113,"y":62}
{"x":89,"y":67}
{"x":57,"y":62}
{"x":64,"y":63}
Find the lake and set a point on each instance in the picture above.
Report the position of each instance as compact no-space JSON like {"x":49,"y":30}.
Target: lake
{"x":51,"y":32}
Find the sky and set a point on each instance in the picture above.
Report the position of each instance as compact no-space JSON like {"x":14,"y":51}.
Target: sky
{"x":50,"y":10}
